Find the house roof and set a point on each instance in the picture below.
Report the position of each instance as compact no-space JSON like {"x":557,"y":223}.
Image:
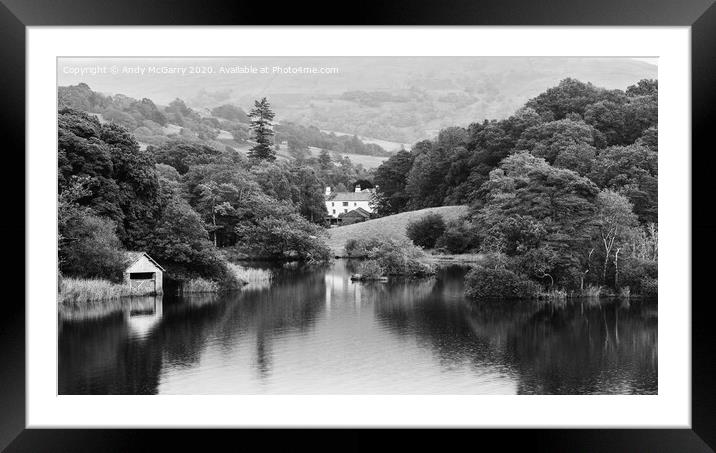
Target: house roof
{"x":357,"y":212}
{"x":351,"y":196}
{"x":133,"y":257}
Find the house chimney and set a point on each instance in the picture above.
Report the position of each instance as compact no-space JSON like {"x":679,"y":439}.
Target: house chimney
{"x":358,"y":188}
{"x":328,"y":190}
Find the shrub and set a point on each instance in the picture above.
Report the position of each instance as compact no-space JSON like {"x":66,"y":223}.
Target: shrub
{"x":389,"y":257}
{"x":649,"y":287}
{"x":459,"y":237}
{"x":592,"y":291}
{"x":400,"y":257}
{"x":289,"y":238}
{"x":633,"y":271}
{"x":553,"y":295}
{"x":426,"y":231}
{"x":498,"y":283}
{"x":359,"y":248}
{"x":251,"y":276}
{"x":199,"y":285}
{"x":370,"y":270}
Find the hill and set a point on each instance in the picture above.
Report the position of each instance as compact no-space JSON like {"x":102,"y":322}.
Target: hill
{"x":368,"y":162}
{"x":392,"y":226}
{"x":398,"y":99}
{"x":153,"y":124}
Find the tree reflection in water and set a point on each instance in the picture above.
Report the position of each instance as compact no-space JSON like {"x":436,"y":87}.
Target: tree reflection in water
{"x":316,"y":328}
{"x":577,"y":347}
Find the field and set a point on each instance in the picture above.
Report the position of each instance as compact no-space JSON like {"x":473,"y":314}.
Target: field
{"x":368,"y":162}
{"x":391,"y":226}
{"x":225,"y":138}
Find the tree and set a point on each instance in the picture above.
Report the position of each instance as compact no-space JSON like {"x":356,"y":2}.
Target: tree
{"x":644,"y":87}
{"x":548,"y":140}
{"x":307,"y":193}
{"x":121,"y":180}
{"x":324,"y":159}
{"x":240,"y":133}
{"x":179,"y":241}
{"x":650,"y":139}
{"x":363,"y":184}
{"x":182,"y":154}
{"x":212,"y":199}
{"x":230,"y":112}
{"x":632,"y":171}
{"x":224,"y":196}
{"x":615,"y":219}
{"x":288,"y":238}
{"x":390,"y":180}
{"x":261,"y":117}
{"x":577,"y":158}
{"x":498,"y":283}
{"x":298,"y":149}
{"x":610,"y":118}
{"x":426,"y":230}
{"x":87,"y":244}
{"x":425,"y":183}
{"x":539,"y":215}
{"x":570,"y":96}
{"x":460,"y":236}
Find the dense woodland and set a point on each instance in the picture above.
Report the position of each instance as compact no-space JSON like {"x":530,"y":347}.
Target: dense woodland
{"x":183,"y":201}
{"x":562,"y":194}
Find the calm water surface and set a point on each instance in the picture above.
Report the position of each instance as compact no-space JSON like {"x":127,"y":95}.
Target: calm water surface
{"x":314,"y":331}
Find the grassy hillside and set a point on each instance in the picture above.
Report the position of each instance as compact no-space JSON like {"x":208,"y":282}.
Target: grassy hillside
{"x":391,"y":226}
{"x":398,"y":99}
{"x":368,"y":162}
{"x":143,"y":118}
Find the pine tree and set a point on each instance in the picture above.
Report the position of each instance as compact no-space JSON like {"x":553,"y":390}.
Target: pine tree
{"x":261,"y":116}
{"x":324,"y":159}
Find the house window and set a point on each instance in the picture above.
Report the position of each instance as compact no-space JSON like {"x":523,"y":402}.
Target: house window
{"x":334,"y":211}
{"x":345,"y":203}
{"x":332,"y":203}
{"x":355,"y":204}
{"x":345,"y":210}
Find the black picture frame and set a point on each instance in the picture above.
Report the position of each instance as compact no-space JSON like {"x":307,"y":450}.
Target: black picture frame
{"x":700,"y":15}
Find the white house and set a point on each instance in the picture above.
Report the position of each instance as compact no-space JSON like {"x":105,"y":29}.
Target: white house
{"x":338,"y":203}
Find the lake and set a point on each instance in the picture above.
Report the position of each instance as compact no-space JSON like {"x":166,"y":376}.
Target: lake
{"x":312,"y":331}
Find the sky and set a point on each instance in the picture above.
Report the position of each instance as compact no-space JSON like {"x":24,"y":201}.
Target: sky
{"x":163,"y":79}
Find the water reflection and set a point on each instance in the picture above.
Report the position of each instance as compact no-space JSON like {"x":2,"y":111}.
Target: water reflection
{"x":315,"y":331}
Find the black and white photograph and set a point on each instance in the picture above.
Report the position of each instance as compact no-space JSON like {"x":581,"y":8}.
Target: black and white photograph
{"x":357,"y":225}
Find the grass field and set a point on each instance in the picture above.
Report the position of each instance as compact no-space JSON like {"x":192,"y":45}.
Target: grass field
{"x":391,"y":226}
{"x":368,"y":162}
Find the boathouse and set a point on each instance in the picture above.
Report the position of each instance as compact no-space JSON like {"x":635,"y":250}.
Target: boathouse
{"x":143,"y":274}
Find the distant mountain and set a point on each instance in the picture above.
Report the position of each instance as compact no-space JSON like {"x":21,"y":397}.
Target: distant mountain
{"x":397,"y":99}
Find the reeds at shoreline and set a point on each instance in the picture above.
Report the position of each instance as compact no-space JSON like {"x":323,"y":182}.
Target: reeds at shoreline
{"x":254,"y":277}
{"x":199,"y":285}
{"x":81,"y":290}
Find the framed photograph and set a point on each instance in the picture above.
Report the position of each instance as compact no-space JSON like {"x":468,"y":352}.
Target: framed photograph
{"x":446,"y":219}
